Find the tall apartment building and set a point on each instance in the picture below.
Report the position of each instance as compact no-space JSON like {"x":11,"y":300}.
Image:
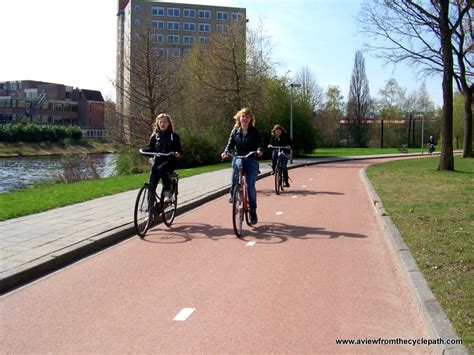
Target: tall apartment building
{"x":30,"y":101}
{"x":175,"y":28}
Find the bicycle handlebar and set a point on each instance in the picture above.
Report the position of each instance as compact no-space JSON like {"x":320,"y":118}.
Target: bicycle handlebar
{"x":278,"y":147}
{"x":143,"y":152}
{"x":242,"y":156}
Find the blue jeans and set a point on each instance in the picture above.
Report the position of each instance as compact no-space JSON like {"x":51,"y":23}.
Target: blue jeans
{"x":251,"y":173}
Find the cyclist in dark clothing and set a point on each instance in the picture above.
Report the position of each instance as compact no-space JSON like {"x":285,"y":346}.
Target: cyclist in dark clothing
{"x":280,"y":139}
{"x":164,"y":140}
{"x":431,"y":145}
{"x":245,"y":138}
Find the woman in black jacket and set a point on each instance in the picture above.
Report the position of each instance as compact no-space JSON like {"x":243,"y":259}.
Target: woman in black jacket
{"x":280,"y":139}
{"x":164,"y":140}
{"x":245,"y":138}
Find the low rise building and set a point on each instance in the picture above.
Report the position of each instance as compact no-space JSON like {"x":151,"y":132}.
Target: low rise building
{"x":30,"y":101}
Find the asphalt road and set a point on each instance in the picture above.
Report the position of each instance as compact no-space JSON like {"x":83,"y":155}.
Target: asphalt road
{"x":316,"y":268}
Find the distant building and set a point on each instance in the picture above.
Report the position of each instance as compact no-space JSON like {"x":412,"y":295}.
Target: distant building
{"x":175,"y":28}
{"x":30,"y":101}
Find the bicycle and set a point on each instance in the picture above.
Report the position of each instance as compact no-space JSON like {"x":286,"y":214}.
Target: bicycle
{"x":240,"y":203}
{"x":279,"y":177}
{"x":149,"y":205}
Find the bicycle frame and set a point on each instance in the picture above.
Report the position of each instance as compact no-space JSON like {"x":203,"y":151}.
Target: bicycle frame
{"x":279,"y":169}
{"x":240,"y":204}
{"x":146,"y":210}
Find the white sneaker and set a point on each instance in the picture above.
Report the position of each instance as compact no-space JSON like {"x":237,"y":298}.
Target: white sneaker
{"x":168,"y":196}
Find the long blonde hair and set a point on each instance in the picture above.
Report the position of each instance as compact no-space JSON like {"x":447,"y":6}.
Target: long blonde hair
{"x":155,"y":125}
{"x":242,"y":112}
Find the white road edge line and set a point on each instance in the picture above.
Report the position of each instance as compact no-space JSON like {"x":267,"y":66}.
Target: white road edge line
{"x":184,"y":314}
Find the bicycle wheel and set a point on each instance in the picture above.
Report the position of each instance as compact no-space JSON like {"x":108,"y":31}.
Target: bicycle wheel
{"x":168,"y":209}
{"x":277,"y":180}
{"x":144,"y":208}
{"x":237,"y":209}
{"x":282,"y":180}
{"x":245,"y":203}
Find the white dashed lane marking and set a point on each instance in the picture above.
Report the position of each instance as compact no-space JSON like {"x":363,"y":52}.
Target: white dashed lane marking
{"x":183,"y":314}
{"x":279,"y":213}
{"x":251,"y":244}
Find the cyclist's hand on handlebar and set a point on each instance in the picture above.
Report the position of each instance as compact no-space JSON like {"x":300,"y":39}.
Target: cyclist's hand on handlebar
{"x":224,"y":155}
{"x":259,"y":153}
{"x":177,"y":154}
{"x":288,"y":147}
{"x":270,"y":146}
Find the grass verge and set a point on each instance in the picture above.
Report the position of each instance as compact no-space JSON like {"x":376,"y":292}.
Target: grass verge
{"x":39,"y":149}
{"x":39,"y":198}
{"x":434,"y":212}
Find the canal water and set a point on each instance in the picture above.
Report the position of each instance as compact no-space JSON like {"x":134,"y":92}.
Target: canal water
{"x":20,"y":172}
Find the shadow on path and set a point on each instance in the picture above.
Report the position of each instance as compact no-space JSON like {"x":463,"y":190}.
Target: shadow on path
{"x":269,"y":233}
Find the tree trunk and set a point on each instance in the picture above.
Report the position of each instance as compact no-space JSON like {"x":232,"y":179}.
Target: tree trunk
{"x":467,"y":150}
{"x":446,"y":161}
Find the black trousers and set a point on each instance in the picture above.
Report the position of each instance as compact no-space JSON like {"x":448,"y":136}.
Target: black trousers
{"x":161,"y":170}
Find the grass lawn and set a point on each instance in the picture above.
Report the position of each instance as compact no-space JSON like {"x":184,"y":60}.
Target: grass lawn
{"x":434,"y":212}
{"x":38,"y":198}
{"x":327,"y":152}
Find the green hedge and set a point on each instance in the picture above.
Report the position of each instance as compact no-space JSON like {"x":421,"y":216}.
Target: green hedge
{"x":32,"y":133}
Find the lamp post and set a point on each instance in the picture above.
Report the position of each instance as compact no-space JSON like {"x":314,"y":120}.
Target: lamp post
{"x":292,"y":86}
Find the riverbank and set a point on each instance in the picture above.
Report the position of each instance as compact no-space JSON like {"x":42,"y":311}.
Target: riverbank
{"x":20,"y":149}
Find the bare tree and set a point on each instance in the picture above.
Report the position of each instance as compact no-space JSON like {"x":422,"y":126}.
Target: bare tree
{"x":425,"y":34}
{"x":151,"y":80}
{"x":310,"y":89}
{"x":231,"y":69}
{"x":463,"y":49}
{"x":359,"y":104}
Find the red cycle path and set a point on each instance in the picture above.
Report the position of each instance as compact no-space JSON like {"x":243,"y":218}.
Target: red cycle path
{"x":318,"y":268}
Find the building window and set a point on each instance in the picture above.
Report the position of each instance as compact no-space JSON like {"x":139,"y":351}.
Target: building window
{"x":204,"y":27}
{"x":158,"y":38}
{"x":236,"y":16}
{"x":5,"y":103}
{"x":205,"y":14}
{"x":173,"y":39}
{"x":160,"y":52}
{"x":222,"y":15}
{"x":137,"y":22}
{"x":203,"y":39}
{"x":157,"y":24}
{"x":221,"y":28}
{"x":173,"y":26}
{"x":137,"y":8}
{"x":189,"y":26}
{"x":174,"y":52}
{"x":188,"y":39}
{"x":173,"y":12}
{"x":157,"y":11}
{"x":189,"y":13}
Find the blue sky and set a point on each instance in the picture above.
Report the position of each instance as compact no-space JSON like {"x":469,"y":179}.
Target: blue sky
{"x":65,"y":42}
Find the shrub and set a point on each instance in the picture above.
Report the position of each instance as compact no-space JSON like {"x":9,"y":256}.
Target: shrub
{"x":130,"y":162}
{"x":200,"y":148}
